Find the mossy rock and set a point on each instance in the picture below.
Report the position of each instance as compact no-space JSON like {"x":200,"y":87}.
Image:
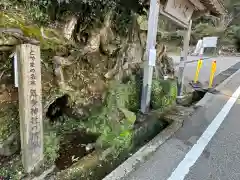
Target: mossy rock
{"x":164,"y":93}
{"x":134,"y":98}
{"x":14,"y":167}
{"x":9,"y":120}
{"x":19,"y":21}
{"x":114,"y":120}
{"x":117,"y":134}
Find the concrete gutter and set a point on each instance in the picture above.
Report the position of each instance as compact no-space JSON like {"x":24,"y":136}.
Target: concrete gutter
{"x":140,"y":156}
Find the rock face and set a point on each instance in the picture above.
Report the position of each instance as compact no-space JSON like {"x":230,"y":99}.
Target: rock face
{"x":69,"y":27}
{"x":9,"y":132}
{"x":10,"y":145}
{"x":97,"y":75}
{"x":65,"y":69}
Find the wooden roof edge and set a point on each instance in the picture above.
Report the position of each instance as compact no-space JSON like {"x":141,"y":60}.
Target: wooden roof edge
{"x":223,"y":7}
{"x":198,"y":5}
{"x":215,"y":6}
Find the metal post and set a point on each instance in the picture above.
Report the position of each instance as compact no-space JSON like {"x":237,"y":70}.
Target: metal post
{"x":183,"y":60}
{"x":148,"y":64}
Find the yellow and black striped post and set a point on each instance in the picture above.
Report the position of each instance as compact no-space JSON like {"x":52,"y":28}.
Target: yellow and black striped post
{"x":213,"y":70}
{"x":199,"y":66}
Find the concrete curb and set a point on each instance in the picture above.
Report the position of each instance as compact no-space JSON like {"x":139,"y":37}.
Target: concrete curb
{"x":45,"y":173}
{"x":208,"y":95}
{"x":140,"y":156}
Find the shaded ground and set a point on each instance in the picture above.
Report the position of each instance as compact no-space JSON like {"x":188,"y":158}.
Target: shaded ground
{"x":73,"y":147}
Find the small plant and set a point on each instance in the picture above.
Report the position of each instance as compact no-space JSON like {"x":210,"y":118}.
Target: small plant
{"x":164,"y":93}
{"x":51,"y":147}
{"x":38,"y":10}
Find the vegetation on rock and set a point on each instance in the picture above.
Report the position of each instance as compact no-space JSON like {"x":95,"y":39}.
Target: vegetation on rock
{"x":164,"y":94}
{"x":91,"y":51}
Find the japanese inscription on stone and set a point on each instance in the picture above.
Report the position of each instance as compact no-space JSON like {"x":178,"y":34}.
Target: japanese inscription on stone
{"x":35,"y":111}
{"x":30,"y":106}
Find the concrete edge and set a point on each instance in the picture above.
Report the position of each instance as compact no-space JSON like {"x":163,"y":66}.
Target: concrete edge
{"x":45,"y":173}
{"x":140,"y":156}
{"x":208,"y":96}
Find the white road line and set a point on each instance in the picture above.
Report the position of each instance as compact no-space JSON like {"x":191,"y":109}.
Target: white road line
{"x":191,"y":157}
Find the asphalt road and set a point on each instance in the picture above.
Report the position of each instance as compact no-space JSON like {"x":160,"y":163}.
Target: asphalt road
{"x":222,"y":161}
{"x":223,"y":63}
{"x":218,"y":159}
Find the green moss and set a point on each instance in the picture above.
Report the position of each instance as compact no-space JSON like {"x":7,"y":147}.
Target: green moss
{"x":134,"y":98}
{"x":51,"y":139}
{"x":51,"y":147}
{"x":9,"y":121}
{"x":113,"y":120}
{"x":14,"y":169}
{"x":17,"y":20}
{"x":164,"y":93}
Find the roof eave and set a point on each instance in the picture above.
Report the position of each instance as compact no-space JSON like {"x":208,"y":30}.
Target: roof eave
{"x":216,"y":7}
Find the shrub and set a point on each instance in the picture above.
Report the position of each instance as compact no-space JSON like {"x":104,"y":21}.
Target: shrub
{"x":164,"y":93}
